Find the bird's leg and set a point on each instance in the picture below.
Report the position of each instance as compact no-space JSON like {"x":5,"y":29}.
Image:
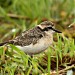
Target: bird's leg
{"x":30,"y":60}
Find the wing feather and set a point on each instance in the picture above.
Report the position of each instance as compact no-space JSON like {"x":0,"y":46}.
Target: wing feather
{"x":28,"y":37}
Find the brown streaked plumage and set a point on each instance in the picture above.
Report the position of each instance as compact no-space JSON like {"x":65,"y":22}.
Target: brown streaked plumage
{"x":28,"y":37}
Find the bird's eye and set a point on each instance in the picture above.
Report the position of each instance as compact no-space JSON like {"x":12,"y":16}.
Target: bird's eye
{"x":45,"y":29}
{"x":49,"y":27}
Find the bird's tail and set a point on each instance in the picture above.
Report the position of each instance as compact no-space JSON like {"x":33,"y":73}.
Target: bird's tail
{"x":7,"y":42}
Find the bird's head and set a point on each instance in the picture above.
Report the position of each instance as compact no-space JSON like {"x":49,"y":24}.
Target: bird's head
{"x":48,"y":26}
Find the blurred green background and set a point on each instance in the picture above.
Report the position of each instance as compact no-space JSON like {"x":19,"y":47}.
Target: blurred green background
{"x":17,"y":16}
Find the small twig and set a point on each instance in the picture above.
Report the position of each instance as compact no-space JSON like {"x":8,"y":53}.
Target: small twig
{"x":16,"y":16}
{"x":67,"y":68}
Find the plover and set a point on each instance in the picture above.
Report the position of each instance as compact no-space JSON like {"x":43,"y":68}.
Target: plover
{"x":35,"y":40}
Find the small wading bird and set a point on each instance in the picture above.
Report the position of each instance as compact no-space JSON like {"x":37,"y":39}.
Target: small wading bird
{"x":36,"y":39}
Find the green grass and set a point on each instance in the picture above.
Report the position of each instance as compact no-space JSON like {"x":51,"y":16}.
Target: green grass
{"x":28,"y":14}
{"x":14,"y":61}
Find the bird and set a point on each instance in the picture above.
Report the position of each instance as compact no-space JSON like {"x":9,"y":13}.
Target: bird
{"x":35,"y":40}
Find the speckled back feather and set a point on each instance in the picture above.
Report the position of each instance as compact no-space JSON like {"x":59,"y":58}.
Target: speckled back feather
{"x":28,"y":37}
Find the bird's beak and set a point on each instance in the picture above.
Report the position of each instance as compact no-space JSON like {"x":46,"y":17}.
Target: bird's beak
{"x":56,"y":30}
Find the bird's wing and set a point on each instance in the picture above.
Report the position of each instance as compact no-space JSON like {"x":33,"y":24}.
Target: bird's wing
{"x":28,"y":37}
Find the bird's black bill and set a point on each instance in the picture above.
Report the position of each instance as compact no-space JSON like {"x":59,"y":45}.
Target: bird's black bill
{"x":56,"y":30}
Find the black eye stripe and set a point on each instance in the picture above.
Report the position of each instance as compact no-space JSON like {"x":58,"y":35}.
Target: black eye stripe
{"x":48,"y":28}
{"x":45,"y":29}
